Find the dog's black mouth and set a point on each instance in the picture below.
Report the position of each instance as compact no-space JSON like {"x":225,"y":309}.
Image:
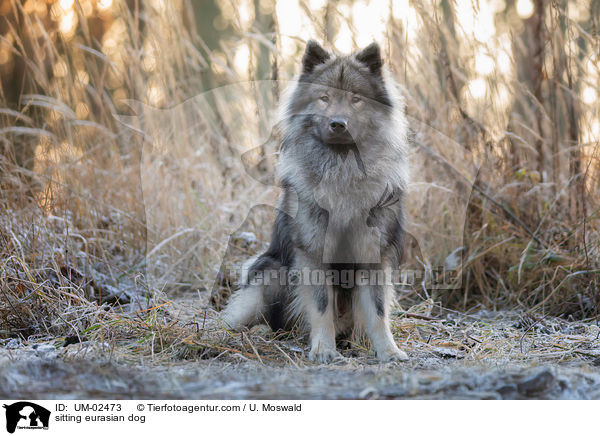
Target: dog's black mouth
{"x":342,"y":139}
{"x":341,"y":148}
{"x":337,"y":144}
{"x":344,"y":149}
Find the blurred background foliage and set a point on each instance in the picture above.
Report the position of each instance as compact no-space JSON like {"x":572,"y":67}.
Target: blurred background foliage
{"x":514,"y":82}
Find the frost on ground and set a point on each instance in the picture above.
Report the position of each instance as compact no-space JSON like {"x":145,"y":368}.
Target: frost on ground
{"x":27,"y":375}
{"x":485,"y":355}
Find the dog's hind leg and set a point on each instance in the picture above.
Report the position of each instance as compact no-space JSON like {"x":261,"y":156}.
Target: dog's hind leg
{"x":371,"y":314}
{"x":245,"y":307}
{"x":261,"y":297}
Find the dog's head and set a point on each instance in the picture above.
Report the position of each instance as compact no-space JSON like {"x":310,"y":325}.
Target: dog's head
{"x":341,"y":100}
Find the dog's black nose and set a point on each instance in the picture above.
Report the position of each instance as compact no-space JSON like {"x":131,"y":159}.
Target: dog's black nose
{"x":338,"y":125}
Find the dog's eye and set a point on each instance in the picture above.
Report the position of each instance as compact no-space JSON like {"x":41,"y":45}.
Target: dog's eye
{"x":324,"y":98}
{"x":356,"y":99}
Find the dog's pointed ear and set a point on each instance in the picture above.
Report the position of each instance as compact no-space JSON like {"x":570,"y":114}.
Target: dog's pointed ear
{"x":371,"y":57}
{"x":313,"y":55}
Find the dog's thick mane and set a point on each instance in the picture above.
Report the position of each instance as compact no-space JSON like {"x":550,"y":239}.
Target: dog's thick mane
{"x":345,"y":176}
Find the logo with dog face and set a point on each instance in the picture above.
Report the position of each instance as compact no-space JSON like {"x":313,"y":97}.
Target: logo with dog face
{"x":185,"y":200}
{"x":337,"y":139}
{"x":26,"y":415}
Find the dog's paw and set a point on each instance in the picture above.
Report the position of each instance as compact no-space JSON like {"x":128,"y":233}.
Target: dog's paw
{"x":323,"y":355}
{"x":392,"y":355}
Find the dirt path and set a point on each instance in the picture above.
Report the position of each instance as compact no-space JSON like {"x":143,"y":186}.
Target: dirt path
{"x":38,"y":376}
{"x":491,"y":356}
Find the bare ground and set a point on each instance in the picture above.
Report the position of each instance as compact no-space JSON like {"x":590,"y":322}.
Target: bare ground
{"x":501,"y":355}
{"x":28,"y":374}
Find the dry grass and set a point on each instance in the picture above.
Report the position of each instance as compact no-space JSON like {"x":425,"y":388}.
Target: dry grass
{"x":98,"y":240}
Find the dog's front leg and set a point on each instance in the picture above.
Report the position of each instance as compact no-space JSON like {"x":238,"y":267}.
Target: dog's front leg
{"x":322,"y":328}
{"x":316,"y":305}
{"x":371,"y":314}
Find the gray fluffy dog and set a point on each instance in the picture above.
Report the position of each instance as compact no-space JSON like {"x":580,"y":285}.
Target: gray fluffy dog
{"x":343,"y":170}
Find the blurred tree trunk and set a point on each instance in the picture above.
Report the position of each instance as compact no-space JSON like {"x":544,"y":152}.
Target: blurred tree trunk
{"x":557,"y":43}
{"x":565,"y":120}
{"x":570,"y":94}
{"x":266,"y":68}
{"x":450,"y":76}
{"x":203,"y":16}
{"x":535,"y":27}
{"x":16,"y":81}
{"x":447,"y":50}
{"x":329,"y":22}
{"x":266,"y":25}
{"x":527,"y":110}
{"x":566,"y":83}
